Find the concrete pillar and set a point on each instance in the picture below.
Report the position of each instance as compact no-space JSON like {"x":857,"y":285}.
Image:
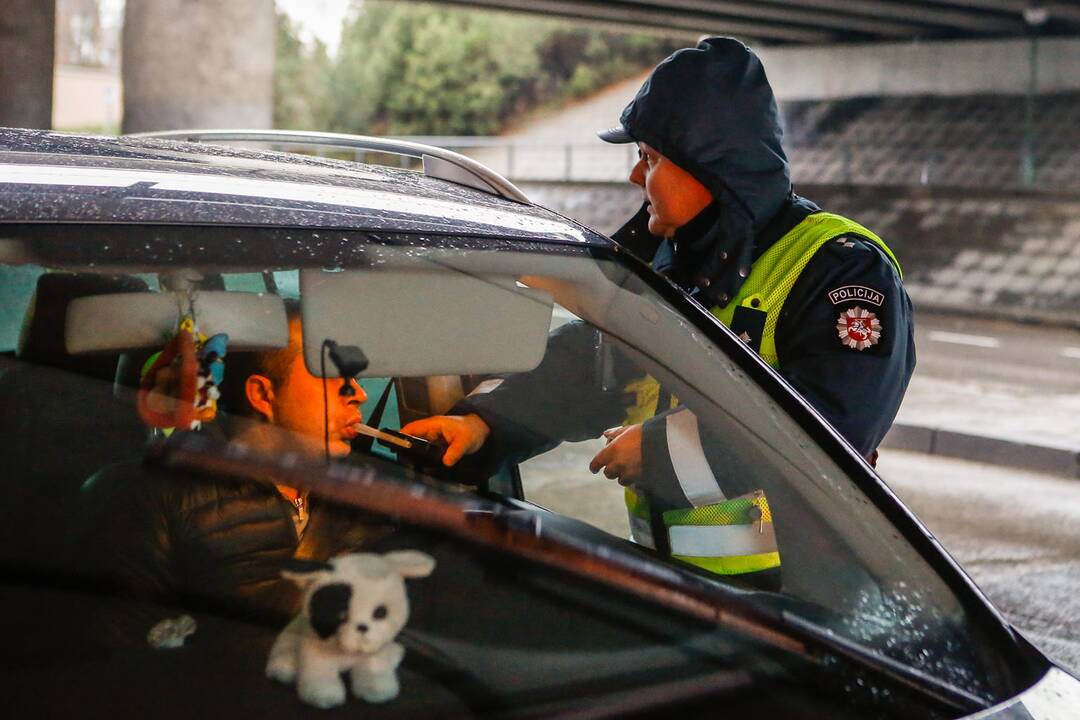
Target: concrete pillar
{"x":198,"y":63}
{"x":27,"y":44}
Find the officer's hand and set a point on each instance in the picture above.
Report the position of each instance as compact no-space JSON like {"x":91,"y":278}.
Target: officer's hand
{"x":463,"y":434}
{"x":612,"y":433}
{"x":621,"y":459}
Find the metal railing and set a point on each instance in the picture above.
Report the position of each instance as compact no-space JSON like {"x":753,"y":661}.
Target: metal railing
{"x":540,"y":160}
{"x":529,"y":160}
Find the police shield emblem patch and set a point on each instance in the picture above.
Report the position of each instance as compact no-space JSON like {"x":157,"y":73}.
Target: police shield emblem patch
{"x":858,"y":328}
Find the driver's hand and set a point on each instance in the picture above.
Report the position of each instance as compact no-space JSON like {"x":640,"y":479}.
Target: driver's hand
{"x":463,"y":434}
{"x":621,"y":459}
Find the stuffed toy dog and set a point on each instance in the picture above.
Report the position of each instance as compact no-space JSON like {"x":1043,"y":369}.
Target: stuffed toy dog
{"x":352,"y":609}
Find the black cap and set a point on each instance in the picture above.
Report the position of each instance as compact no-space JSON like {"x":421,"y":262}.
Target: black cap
{"x":617,"y":134}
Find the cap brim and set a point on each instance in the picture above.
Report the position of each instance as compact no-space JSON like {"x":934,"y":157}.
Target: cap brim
{"x":615,"y":135}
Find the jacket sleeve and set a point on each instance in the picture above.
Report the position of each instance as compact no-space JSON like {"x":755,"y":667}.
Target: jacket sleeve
{"x":845,"y":339}
{"x":574,"y":394}
{"x":125,"y":528}
{"x":675,"y":470}
{"x":128,"y":520}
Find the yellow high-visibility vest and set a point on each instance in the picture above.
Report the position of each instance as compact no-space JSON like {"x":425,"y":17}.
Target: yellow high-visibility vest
{"x":776,"y":271}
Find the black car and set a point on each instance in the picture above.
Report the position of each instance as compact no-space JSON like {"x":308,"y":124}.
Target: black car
{"x":429,"y":285}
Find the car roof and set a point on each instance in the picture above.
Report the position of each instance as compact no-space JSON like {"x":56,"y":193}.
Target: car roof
{"x":56,"y":177}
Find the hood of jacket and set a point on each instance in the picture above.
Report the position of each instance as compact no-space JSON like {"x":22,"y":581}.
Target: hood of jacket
{"x":711,"y":110}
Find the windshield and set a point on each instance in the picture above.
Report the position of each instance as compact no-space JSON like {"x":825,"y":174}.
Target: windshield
{"x":307,"y":346}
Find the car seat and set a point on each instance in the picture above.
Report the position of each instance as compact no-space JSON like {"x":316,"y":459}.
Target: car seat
{"x":60,"y":424}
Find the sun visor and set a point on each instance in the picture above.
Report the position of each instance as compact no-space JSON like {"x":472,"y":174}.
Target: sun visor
{"x":420,"y":322}
{"x":131,"y":321}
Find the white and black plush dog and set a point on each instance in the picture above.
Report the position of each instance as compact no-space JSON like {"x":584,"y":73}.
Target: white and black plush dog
{"x":353,"y":607}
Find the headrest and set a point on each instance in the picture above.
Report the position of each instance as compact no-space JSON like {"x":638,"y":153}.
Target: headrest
{"x":42,"y":339}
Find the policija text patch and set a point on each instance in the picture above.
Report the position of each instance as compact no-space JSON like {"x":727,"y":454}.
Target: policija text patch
{"x":849,"y":293}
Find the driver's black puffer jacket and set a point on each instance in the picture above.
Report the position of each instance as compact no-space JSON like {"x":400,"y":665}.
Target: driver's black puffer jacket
{"x":169,"y":538}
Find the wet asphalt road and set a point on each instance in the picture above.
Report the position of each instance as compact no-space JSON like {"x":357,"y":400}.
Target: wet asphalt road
{"x":1017,"y":534}
{"x":996,"y":379}
{"x":1021,"y":356}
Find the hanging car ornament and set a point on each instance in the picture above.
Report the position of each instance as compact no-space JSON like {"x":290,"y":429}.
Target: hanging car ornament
{"x":179,"y":385}
{"x":211,"y":352}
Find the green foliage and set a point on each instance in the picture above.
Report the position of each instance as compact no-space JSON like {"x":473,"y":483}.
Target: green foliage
{"x":410,"y":68}
{"x":301,"y":80}
{"x":582,"y":82}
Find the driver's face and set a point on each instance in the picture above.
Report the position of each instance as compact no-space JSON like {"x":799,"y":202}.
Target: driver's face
{"x":298,"y":406}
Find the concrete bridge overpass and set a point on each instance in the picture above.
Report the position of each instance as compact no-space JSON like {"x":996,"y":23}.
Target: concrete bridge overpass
{"x":817,"y":21}
{"x":807,"y":26}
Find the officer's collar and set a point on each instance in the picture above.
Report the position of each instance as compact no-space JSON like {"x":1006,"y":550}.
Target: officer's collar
{"x":689,"y":247}
{"x":794,"y":210}
{"x":701,"y":224}
{"x":791,"y":213}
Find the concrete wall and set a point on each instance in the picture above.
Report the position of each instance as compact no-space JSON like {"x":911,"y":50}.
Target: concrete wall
{"x":920,"y":68}
{"x":965,"y":252}
{"x":602,"y":206}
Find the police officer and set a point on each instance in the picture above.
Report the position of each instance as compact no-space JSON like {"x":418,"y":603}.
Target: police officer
{"x":817,"y":295}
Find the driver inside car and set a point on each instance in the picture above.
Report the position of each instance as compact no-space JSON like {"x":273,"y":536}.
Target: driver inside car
{"x":173,"y":537}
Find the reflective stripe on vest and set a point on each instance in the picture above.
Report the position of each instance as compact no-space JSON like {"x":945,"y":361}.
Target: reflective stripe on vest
{"x":774,"y":273}
{"x":728,"y":538}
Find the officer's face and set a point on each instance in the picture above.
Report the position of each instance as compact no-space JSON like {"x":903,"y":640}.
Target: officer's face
{"x":675,"y":197}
